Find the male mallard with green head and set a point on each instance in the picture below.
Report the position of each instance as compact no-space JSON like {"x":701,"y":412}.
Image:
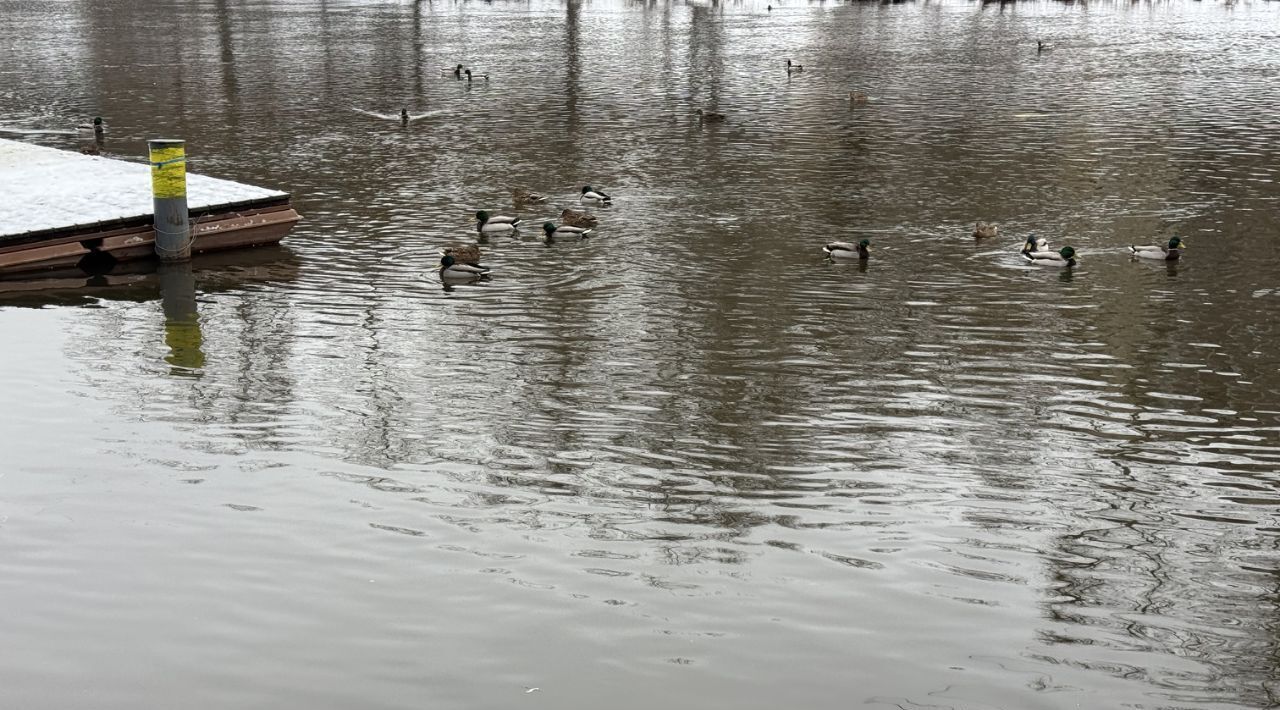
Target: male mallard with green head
{"x":501,"y":224}
{"x":595,"y":196}
{"x":1063,"y":258}
{"x":848,"y":250}
{"x":453,"y":270}
{"x":1170,"y":252}
{"x":553,"y":232}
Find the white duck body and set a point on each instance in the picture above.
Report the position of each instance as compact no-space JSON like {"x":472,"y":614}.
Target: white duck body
{"x":595,"y":196}
{"x":1038,"y":247}
{"x":485,"y":224}
{"x":846,"y":250}
{"x":452,"y":270}
{"x":1063,"y":258}
{"x":565,"y":231}
{"x":1171,"y":252}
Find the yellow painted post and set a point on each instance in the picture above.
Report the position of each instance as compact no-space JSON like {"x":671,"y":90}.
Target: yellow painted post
{"x":169,"y":196}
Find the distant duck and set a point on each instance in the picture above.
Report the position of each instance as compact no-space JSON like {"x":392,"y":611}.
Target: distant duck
{"x":984,"y":230}
{"x":574,"y":218}
{"x":710,"y":117}
{"x":455,"y":72}
{"x":595,"y":196}
{"x":1170,"y":252}
{"x":1063,"y":258}
{"x":495,"y":225}
{"x":453,"y":270}
{"x":96,"y":127}
{"x":553,"y":232}
{"x":1042,"y":46}
{"x":404,"y":116}
{"x":91,"y":149}
{"x":857,"y":97}
{"x":848,"y":250}
{"x":1035,"y":245}
{"x":470,"y":76}
{"x":519,"y":194}
{"x":794,"y":68}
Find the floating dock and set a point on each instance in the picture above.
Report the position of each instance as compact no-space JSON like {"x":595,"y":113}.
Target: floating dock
{"x":55,"y":206}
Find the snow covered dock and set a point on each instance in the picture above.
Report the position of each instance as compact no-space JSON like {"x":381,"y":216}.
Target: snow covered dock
{"x":55,"y":205}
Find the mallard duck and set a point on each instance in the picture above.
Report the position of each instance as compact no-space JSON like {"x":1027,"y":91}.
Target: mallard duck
{"x":477,"y":76}
{"x":96,"y":127}
{"x":1036,"y":245}
{"x":1063,"y":258}
{"x":456,"y":72}
{"x":519,"y":194}
{"x":452,"y":270}
{"x":848,"y":250}
{"x":464,"y":253}
{"x":90,"y":149}
{"x":1042,"y":46}
{"x":574,"y":218}
{"x":599,"y":198}
{"x":857,"y":97}
{"x":495,"y":225}
{"x":404,"y":116}
{"x":565,"y":231}
{"x":792,"y":68}
{"x":984,"y":230}
{"x":1171,"y":252}
{"x":710,"y":117}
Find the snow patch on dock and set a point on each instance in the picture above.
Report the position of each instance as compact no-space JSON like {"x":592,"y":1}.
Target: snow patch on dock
{"x":44,"y":189}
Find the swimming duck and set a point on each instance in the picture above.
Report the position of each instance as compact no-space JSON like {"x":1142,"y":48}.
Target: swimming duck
{"x":464,"y":253}
{"x":574,"y":218}
{"x":478,"y":76}
{"x":456,"y":72}
{"x":857,"y":97}
{"x":452,"y":270}
{"x":793,"y":68}
{"x":97,"y":126}
{"x":848,"y":250}
{"x":1036,"y":245}
{"x":404,"y":116}
{"x":1171,"y":252}
{"x":553,"y":232}
{"x":599,"y":198}
{"x":519,"y":194}
{"x":984,"y":230}
{"x":710,"y":117}
{"x":1042,"y":46}
{"x":1064,"y":258}
{"x":495,"y":225}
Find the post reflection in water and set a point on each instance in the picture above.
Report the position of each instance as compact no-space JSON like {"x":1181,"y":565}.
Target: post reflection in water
{"x":686,"y":460}
{"x":181,"y":319}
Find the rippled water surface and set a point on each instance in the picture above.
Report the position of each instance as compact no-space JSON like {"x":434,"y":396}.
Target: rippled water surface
{"x":686,"y":463}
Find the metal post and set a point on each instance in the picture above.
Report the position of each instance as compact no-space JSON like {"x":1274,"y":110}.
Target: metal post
{"x":169,"y":193}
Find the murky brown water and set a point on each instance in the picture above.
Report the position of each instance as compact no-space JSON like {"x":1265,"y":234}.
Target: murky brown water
{"x":686,"y":462}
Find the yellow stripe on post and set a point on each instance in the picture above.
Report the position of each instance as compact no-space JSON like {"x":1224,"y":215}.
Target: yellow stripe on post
{"x":169,"y":195}
{"x":168,"y":169}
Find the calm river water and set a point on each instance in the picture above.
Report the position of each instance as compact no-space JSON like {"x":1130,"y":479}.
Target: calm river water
{"x":686,"y":463}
